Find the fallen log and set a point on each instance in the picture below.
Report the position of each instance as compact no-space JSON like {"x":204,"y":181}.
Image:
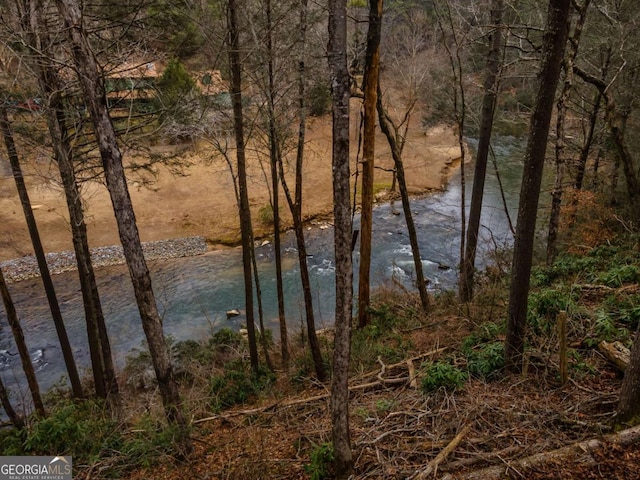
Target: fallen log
{"x":432,"y":466}
{"x":567,"y":453}
{"x":616,"y":353}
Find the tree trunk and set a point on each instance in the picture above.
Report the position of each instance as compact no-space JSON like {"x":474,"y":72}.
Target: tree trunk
{"x":555,"y":38}
{"x":52,"y":87}
{"x":61,"y":330}
{"x":563,"y":104}
{"x":617,"y":129}
{"x":245,"y":213}
{"x":339,"y":75}
{"x":274,"y":155}
{"x":396,"y":146}
{"x":370,"y":88}
{"x":93,"y":89}
{"x":629,"y":403}
{"x":256,"y":278}
{"x":8,"y":408}
{"x":21,"y":345}
{"x":305,"y":278}
{"x":295,"y":206}
{"x":491,"y":83}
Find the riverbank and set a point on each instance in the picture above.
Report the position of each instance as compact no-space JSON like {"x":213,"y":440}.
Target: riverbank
{"x":24,"y":268}
{"x":190,"y":192}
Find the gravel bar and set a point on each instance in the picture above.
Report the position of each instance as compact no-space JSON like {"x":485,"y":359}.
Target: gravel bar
{"x":27,"y":267}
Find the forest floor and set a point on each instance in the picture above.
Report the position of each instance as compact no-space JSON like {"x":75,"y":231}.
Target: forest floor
{"x":527,"y":426}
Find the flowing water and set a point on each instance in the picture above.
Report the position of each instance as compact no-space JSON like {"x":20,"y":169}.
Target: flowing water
{"x":194,"y":293}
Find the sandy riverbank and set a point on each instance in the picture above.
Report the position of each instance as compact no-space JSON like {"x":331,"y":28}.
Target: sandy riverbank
{"x":199,"y":201}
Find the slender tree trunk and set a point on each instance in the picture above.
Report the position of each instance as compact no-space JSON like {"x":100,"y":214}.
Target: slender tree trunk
{"x":396,"y":146}
{"x":245,"y":213}
{"x":561,"y":116}
{"x":61,"y":330}
{"x":460,"y":111}
{"x":370,"y":87}
{"x":104,"y":375}
{"x":295,"y":206}
{"x":277,"y":248}
{"x":593,"y":121}
{"x":274,"y":155}
{"x":93,"y":89}
{"x":6,"y":404}
{"x":339,"y":75}
{"x":588,"y":142}
{"x":491,"y":83}
{"x":23,"y":351}
{"x":305,"y":277}
{"x":555,"y":38}
{"x":263,"y":334}
{"x":617,"y":129}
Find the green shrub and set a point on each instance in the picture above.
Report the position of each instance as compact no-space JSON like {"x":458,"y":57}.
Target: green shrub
{"x":186,"y":350}
{"x":150,"y":440}
{"x":441,"y":375}
{"x":544,"y":307}
{"x":604,"y":328}
{"x":625,"y":309}
{"x":321,"y":466}
{"x":226,"y":338}
{"x":566,"y":267}
{"x":486,"y":360}
{"x":487,"y":332}
{"x":237,"y":385}
{"x":84,"y":430}
{"x":265,"y":215}
{"x":619,"y":275}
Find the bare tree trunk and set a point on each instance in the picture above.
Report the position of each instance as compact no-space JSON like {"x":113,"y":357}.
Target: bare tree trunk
{"x":67,"y":353}
{"x":555,"y":38}
{"x":491,"y":83}
{"x":617,"y":128}
{"x":556,"y":194}
{"x":245,"y":213}
{"x":396,"y":145}
{"x":459,"y":109}
{"x":275,"y":160}
{"x":23,"y":351}
{"x":370,"y":88}
{"x":295,"y":206}
{"x":6,"y":404}
{"x":277,"y":248}
{"x":339,"y":74}
{"x":52,"y":88}
{"x":305,"y":279}
{"x":93,"y":89}
{"x":256,"y":278}
{"x":588,"y":142}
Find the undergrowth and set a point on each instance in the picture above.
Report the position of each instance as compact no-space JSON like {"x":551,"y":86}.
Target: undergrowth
{"x":597,"y":290}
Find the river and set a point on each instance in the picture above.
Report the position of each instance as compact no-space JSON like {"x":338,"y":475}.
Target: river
{"x":193,"y":293}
